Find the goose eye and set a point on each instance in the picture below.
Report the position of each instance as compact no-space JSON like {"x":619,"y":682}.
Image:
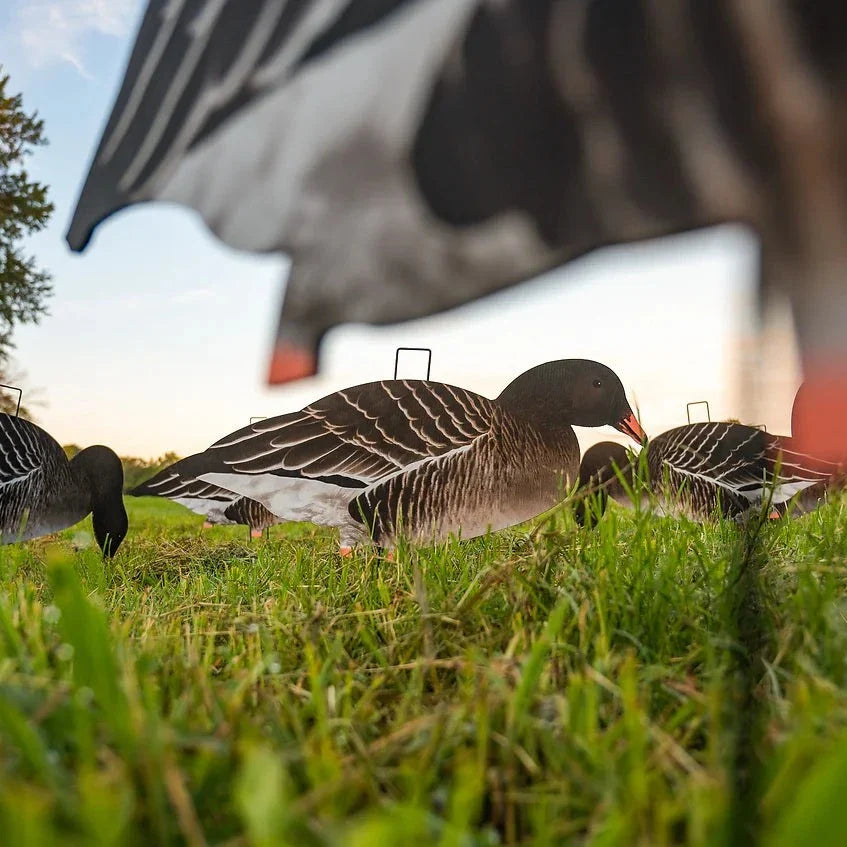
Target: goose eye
{"x":597,"y":383}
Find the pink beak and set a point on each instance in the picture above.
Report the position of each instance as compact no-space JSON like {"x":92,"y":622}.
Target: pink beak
{"x":630,"y":426}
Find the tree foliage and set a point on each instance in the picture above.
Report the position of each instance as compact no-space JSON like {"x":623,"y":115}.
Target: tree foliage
{"x":137,"y":470}
{"x":24,"y":210}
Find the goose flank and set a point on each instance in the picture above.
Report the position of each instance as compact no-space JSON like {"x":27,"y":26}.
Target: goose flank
{"x":41,"y":492}
{"x":422,"y":459}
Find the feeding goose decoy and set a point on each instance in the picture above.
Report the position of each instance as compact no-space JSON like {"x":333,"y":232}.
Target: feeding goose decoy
{"x":422,"y":459}
{"x":473,"y":144}
{"x":178,"y":482}
{"x":42,"y":492}
{"x":706,"y":469}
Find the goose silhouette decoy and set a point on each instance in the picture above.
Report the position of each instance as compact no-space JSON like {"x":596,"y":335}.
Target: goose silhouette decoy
{"x":42,"y":492}
{"x":178,"y":482}
{"x":422,"y":459}
{"x":706,"y":469}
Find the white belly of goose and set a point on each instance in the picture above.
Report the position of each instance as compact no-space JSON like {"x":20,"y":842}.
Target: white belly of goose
{"x":211,"y":509}
{"x":291,"y":498}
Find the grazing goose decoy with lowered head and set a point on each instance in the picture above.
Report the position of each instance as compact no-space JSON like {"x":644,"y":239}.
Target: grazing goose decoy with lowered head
{"x":706,"y":469}
{"x":42,"y":492}
{"x":178,"y":482}
{"x":422,"y":459}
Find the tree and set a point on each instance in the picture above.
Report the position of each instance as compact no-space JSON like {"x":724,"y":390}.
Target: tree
{"x":24,"y":210}
{"x":9,"y":403}
{"x":137,"y":470}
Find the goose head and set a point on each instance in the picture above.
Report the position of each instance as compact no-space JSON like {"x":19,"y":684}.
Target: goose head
{"x":577,"y":392}
{"x":101,"y":470}
{"x":598,"y":479}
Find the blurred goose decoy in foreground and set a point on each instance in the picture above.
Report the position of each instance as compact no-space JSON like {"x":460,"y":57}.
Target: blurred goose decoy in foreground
{"x":178,"y":482}
{"x":42,"y":492}
{"x":422,"y":459}
{"x":412,"y":155}
{"x":706,"y":469}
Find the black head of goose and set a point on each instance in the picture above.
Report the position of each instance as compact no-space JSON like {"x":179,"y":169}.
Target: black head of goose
{"x":573,"y":392}
{"x":423,"y":459}
{"x":599,"y":480}
{"x":707,"y":469}
{"x":178,"y":482}
{"x":42,"y":492}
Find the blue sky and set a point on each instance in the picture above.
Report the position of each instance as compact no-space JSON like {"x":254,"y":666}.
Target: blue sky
{"x":158,"y":335}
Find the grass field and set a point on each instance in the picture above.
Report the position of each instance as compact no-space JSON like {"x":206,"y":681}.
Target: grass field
{"x":652,"y":682}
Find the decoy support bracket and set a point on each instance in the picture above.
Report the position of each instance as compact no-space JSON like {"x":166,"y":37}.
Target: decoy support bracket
{"x":258,"y":418}
{"x":413,"y":349}
{"x":20,"y":396}
{"x":698,"y":403}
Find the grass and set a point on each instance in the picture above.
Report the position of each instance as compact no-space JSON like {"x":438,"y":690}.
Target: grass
{"x":651,"y":682}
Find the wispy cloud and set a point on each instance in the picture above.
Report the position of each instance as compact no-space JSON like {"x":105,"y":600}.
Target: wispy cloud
{"x":55,"y":30}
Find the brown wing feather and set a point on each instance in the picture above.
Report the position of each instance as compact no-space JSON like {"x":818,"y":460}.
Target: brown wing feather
{"x":360,"y":435}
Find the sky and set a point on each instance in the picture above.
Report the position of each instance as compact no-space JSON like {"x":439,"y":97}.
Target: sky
{"x":158,"y":335}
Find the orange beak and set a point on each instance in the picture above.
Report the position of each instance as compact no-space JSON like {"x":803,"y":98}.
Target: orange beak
{"x":290,"y":363}
{"x":630,"y":426}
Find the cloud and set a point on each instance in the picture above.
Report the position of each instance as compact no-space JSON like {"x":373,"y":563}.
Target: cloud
{"x":53,"y":31}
